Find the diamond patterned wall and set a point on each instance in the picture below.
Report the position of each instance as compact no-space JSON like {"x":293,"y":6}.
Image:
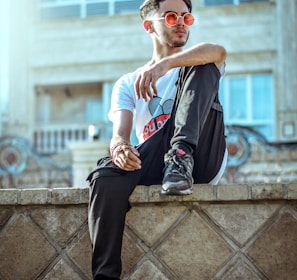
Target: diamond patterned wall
{"x":166,"y":238}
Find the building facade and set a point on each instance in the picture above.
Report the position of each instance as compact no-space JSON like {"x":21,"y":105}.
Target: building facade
{"x":60,"y":59}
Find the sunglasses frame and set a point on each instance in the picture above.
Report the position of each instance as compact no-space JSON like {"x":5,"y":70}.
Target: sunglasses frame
{"x":177,"y":19}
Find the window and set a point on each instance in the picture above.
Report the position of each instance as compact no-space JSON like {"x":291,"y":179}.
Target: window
{"x":57,"y":9}
{"x":225,"y":2}
{"x":248,"y":101}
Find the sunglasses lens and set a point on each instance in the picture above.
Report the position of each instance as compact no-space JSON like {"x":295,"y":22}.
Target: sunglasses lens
{"x":188,"y":19}
{"x":171,"y":19}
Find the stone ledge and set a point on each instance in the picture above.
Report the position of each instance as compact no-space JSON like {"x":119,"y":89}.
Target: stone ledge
{"x":37,"y":196}
{"x":144,"y":194}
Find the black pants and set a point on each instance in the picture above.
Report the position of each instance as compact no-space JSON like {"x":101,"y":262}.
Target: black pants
{"x":197,"y":120}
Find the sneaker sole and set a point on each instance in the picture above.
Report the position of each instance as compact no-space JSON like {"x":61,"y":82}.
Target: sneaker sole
{"x":176,"y":191}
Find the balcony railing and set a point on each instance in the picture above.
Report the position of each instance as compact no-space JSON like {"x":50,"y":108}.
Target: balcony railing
{"x":50,"y":139}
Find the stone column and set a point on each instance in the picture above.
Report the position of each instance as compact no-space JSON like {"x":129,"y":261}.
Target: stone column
{"x":285,"y":32}
{"x":84,"y":158}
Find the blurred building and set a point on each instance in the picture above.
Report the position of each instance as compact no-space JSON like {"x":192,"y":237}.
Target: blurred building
{"x":60,"y":58}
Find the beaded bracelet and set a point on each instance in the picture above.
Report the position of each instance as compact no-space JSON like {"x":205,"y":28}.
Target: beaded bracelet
{"x":118,"y":147}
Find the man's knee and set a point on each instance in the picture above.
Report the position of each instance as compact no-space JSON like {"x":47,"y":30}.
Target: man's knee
{"x":206,"y":71}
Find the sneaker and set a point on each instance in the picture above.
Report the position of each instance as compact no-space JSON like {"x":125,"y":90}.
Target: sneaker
{"x":178,"y":170}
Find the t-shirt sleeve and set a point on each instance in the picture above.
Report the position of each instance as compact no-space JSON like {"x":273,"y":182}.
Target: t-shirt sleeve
{"x":122,"y":97}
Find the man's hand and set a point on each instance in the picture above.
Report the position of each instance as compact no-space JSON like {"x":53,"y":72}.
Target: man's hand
{"x":145,"y":84}
{"x":126,"y":157}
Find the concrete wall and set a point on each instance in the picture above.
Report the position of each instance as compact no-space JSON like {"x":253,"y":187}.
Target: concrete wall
{"x":218,"y":232}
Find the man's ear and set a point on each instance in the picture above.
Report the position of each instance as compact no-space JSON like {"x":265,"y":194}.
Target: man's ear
{"x":147,"y":25}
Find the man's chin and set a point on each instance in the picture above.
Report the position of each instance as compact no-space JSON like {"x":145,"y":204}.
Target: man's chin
{"x":178,"y":44}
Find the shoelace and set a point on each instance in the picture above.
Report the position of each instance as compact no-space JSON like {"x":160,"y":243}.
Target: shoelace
{"x":178,"y":165}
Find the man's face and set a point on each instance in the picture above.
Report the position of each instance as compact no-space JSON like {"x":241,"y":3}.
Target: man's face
{"x":177,"y":35}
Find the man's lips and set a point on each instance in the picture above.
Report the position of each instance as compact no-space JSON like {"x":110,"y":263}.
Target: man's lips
{"x":180,"y":32}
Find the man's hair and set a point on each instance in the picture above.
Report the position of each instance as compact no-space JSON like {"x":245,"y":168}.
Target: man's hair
{"x":150,"y":7}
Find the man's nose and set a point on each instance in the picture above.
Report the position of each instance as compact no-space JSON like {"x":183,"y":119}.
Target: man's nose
{"x":180,"y":20}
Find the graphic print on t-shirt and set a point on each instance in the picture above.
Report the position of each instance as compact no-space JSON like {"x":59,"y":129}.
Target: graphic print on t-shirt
{"x":160,"y":114}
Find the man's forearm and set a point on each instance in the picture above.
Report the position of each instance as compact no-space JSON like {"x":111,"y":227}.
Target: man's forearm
{"x":200,"y":54}
{"x":122,"y":127}
{"x":204,"y":53}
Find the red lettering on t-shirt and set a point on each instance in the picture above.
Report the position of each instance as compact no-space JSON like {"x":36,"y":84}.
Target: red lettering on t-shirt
{"x":154,"y":125}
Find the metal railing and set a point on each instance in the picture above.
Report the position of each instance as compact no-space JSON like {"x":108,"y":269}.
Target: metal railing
{"x":52,"y":139}
{"x":22,"y":167}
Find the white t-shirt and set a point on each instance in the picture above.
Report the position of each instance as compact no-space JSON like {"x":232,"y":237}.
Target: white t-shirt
{"x":151,"y":115}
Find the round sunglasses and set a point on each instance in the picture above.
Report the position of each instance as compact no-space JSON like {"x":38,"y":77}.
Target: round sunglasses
{"x":172,"y":19}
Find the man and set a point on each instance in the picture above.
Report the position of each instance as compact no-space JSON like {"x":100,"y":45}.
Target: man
{"x":179,"y":124}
